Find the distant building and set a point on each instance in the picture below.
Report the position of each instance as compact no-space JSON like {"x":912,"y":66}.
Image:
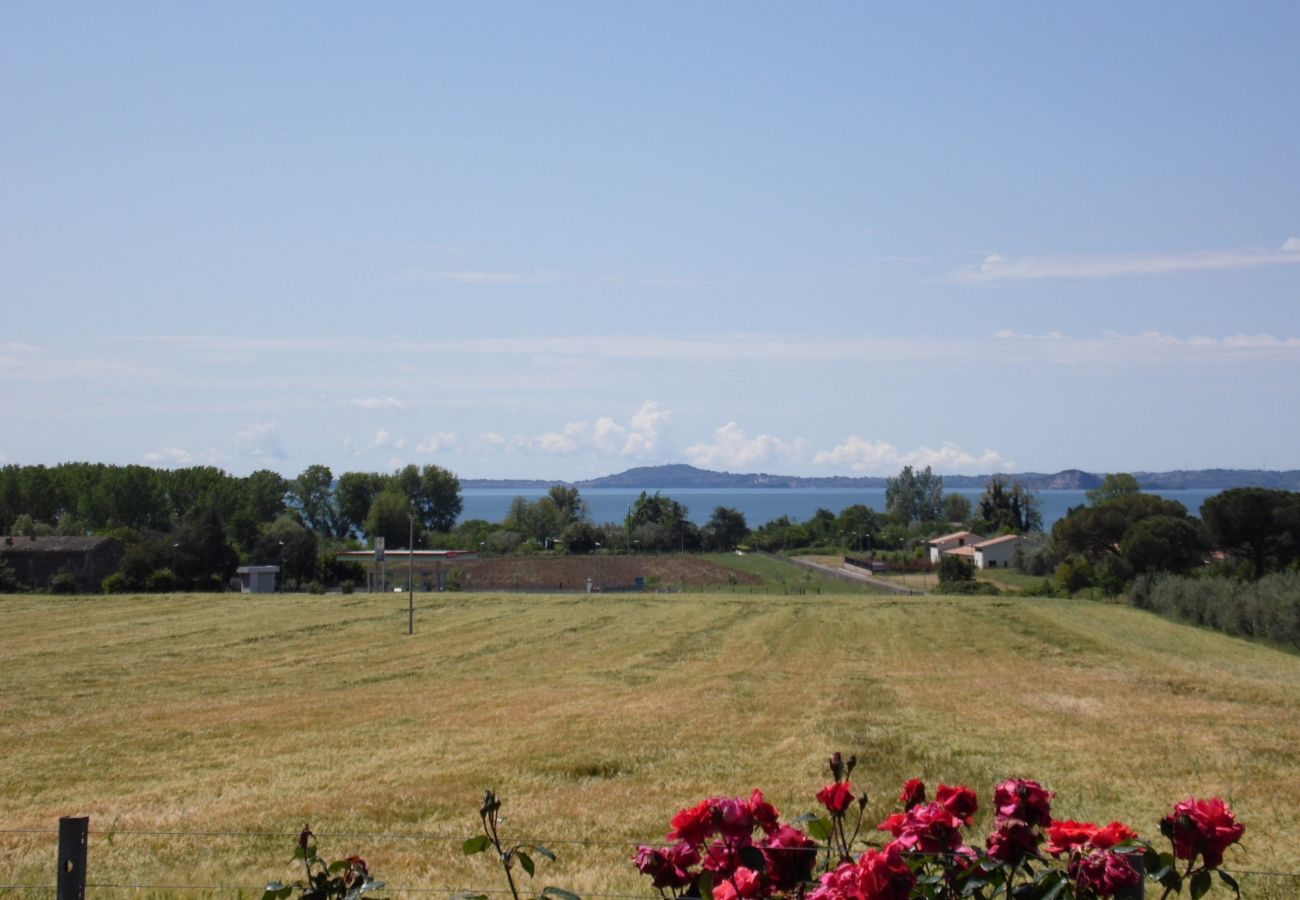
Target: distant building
{"x":257,"y":579}
{"x":949,"y":542}
{"x":35,"y":560}
{"x":998,"y":552}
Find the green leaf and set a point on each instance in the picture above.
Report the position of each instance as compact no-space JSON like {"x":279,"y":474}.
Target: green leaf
{"x":1230,"y":881}
{"x":340,"y":866}
{"x":806,"y":818}
{"x":475,"y":845}
{"x":526,"y":861}
{"x":549,"y":854}
{"x":706,"y":886}
{"x":1200,"y":885}
{"x":819,"y":829}
{"x":752,"y":858}
{"x":300,"y":852}
{"x":559,"y":893}
{"x":272,"y":890}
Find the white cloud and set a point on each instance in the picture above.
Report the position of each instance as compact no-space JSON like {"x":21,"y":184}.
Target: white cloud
{"x":383,"y":440}
{"x":1025,"y":268}
{"x":880,"y":457}
{"x":732,"y":448}
{"x":492,"y":439}
{"x":443,"y":440}
{"x":261,"y":440}
{"x":380,"y":403}
{"x":175,"y":456}
{"x":559,"y":443}
{"x":647,"y":426}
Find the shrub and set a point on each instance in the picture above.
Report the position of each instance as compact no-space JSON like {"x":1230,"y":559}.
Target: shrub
{"x":955,"y":569}
{"x":63,"y":583}
{"x":1074,"y":574}
{"x":1268,"y":609}
{"x":118,"y":583}
{"x":160,"y":581}
{"x":8,"y":579}
{"x":346,"y":586}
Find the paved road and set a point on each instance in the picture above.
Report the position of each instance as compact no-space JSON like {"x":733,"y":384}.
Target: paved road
{"x":852,"y":573}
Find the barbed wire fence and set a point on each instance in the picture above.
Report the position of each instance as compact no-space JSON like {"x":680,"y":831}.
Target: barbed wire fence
{"x":371,"y":838}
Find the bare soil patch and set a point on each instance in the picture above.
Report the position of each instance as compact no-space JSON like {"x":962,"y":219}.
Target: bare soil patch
{"x":571,"y":573}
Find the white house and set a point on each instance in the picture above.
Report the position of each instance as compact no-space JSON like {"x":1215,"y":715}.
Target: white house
{"x":996,"y":553}
{"x":949,"y":542}
{"x":257,"y":579}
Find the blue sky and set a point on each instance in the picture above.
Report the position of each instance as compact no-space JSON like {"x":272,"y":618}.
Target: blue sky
{"x":559,"y":240}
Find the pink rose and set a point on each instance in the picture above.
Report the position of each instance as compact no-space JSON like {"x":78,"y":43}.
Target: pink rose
{"x":1023,"y":800}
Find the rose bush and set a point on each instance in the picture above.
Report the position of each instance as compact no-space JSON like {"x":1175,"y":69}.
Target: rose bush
{"x":726,"y":848}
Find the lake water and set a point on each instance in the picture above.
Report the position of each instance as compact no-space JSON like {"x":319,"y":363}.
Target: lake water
{"x":761,"y":505}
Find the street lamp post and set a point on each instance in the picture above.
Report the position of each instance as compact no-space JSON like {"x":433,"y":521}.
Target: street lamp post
{"x":598,"y":583}
{"x":282,"y":573}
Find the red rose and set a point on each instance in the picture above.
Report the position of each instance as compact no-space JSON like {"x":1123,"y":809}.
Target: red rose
{"x":669,"y":866}
{"x":764,"y":813}
{"x":790,"y":856}
{"x":930,"y":829}
{"x":877,"y":875}
{"x":913,"y":793}
{"x":894,"y":824}
{"x":1023,"y":800}
{"x":836,"y":797}
{"x":1013,"y":842}
{"x":960,"y":801}
{"x":733,"y":818}
{"x":1102,"y":873}
{"x":1067,"y":835}
{"x":1112,"y":834}
{"x":1205,"y":827}
{"x":693,"y":825}
{"x":885,"y":875}
{"x":721,"y":858}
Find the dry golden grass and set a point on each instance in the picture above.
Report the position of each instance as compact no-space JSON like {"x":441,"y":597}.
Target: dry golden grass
{"x":598,"y":718}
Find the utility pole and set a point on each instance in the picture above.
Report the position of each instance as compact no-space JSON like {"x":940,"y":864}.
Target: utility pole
{"x":410,"y":575}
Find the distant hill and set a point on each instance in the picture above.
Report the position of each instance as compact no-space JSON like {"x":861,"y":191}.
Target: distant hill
{"x":680,"y":475}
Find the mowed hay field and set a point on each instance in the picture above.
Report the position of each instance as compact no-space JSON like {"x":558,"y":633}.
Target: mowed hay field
{"x":597,"y":718}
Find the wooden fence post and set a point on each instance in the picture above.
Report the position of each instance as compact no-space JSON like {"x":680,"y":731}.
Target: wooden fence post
{"x":73,"y":837}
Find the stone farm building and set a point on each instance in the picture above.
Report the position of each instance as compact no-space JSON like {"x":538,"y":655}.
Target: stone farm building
{"x":984,"y":553}
{"x":35,"y":560}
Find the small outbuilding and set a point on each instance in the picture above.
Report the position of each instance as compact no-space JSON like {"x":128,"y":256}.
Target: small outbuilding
{"x":257,"y":579}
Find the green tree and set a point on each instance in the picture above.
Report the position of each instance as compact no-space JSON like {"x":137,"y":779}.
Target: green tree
{"x":1116,"y":484}
{"x":569,"y":502}
{"x":437,"y":499}
{"x":354,"y":494}
{"x":1096,"y":531}
{"x":289,"y":543}
{"x":1008,"y":506}
{"x":389,"y":519}
{"x":313,"y":495}
{"x":956,"y":508}
{"x":203,"y":557}
{"x":915,"y":496}
{"x":1164,"y":544}
{"x":725,"y":530}
{"x":859,"y":526}
{"x":1257,"y":524}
